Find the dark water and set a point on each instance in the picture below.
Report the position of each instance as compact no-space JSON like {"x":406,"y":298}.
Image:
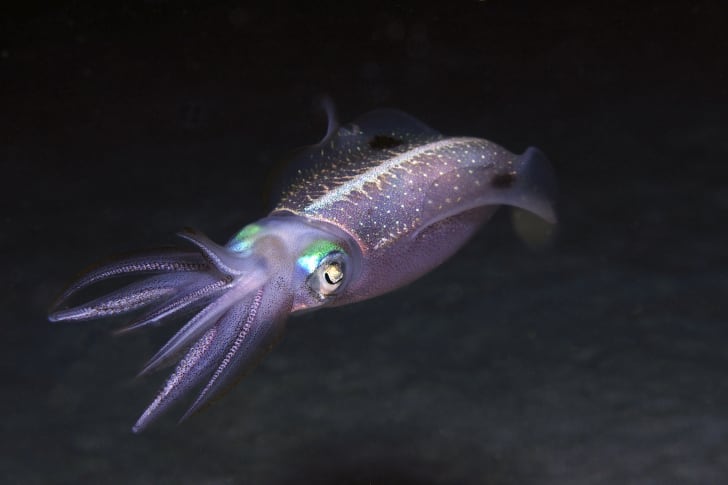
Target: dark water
{"x":599,"y":360}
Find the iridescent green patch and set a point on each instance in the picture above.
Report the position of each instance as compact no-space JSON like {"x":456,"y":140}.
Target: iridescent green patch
{"x":315,"y":252}
{"x":243,"y":240}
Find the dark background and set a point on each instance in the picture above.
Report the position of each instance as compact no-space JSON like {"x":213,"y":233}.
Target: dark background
{"x":601,"y":359}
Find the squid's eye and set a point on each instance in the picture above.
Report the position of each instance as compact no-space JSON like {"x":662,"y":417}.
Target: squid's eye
{"x":329,"y":275}
{"x":333,"y":275}
{"x":325,"y":263}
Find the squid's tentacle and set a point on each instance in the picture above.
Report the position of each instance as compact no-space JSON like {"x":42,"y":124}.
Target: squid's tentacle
{"x":197,"y":364}
{"x":124,"y":300}
{"x":263,"y":326}
{"x":220,"y":257}
{"x":171,"y":260}
{"x":206,"y":317}
{"x":190,"y":296}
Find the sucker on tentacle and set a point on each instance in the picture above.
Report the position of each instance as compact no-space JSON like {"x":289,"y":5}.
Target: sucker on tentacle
{"x":386,"y":199}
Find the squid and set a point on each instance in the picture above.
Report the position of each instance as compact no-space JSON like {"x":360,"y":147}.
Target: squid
{"x":378,"y":203}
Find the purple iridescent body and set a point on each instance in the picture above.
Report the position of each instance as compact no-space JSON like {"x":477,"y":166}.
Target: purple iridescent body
{"x":383,"y":201}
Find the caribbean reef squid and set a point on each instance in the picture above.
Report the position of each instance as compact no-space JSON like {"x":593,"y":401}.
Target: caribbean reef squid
{"x":381,"y":202}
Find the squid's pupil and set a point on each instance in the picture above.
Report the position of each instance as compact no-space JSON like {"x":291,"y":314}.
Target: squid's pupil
{"x":333,"y":274}
{"x":328,"y":278}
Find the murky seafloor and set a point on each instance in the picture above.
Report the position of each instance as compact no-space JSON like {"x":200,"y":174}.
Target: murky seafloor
{"x":598,"y":359}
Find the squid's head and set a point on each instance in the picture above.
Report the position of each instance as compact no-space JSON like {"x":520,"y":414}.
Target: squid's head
{"x":239,"y":296}
{"x":319,"y":259}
